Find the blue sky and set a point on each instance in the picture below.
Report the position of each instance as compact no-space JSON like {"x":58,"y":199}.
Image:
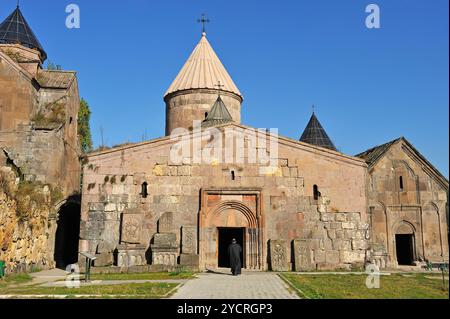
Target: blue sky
{"x":369,"y":86}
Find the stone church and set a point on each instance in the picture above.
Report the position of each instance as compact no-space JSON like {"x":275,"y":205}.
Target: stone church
{"x":315,"y":208}
{"x":180,"y":199}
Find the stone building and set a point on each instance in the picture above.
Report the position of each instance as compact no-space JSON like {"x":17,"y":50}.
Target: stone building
{"x":181,"y":199}
{"x":38,"y":132}
{"x":407,"y":206}
{"x":299,"y":205}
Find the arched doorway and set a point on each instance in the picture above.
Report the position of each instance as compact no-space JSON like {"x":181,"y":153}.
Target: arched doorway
{"x":67,"y":234}
{"x":224,"y":217}
{"x":405,"y":243}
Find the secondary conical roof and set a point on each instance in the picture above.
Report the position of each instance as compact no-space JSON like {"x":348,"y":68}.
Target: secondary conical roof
{"x":15,"y":30}
{"x":315,"y":134}
{"x":203,"y":70}
{"x":218,"y":115}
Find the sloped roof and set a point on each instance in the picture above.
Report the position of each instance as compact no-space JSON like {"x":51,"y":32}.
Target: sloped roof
{"x":15,"y":30}
{"x":218,"y":115}
{"x":315,"y":134}
{"x":203,"y":70}
{"x":372,"y":156}
{"x":55,"y":79}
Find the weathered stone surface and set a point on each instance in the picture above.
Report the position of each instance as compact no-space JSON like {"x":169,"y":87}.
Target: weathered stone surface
{"x":352,"y":257}
{"x":131,"y":255}
{"x":165,"y":240}
{"x":279,"y":258}
{"x":189,"y":240}
{"x":24,"y":245}
{"x":104,"y":260}
{"x":332,"y":257}
{"x":191,"y":260}
{"x":164,"y":249}
{"x":303,"y":255}
{"x":165,"y":257}
{"x":165,"y":223}
{"x":359,"y":244}
{"x":319,"y":257}
{"x":131,"y":230}
{"x":38,"y":145}
{"x":104,"y":247}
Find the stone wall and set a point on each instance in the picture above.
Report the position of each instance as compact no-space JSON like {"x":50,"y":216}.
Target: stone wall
{"x":38,"y":143}
{"x":38,"y":124}
{"x":26,"y":243}
{"x":18,"y":98}
{"x":43,"y":155}
{"x":332,"y":241}
{"x":112,"y":193}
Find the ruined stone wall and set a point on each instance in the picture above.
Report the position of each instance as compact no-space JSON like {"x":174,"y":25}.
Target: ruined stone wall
{"x":112,"y":191}
{"x":28,"y":59}
{"x":418,"y":206}
{"x":27,"y":227}
{"x":39,"y":143}
{"x":43,"y":146}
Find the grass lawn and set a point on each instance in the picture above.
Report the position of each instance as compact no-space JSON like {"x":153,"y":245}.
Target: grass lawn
{"x":395,"y":286}
{"x":143,"y":276}
{"x":145,"y":290}
{"x":14,"y":279}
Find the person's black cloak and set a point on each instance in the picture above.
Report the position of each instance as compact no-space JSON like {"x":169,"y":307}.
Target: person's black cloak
{"x":234,"y":252}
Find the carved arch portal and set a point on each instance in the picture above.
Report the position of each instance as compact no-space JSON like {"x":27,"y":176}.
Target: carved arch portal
{"x":231,"y":209}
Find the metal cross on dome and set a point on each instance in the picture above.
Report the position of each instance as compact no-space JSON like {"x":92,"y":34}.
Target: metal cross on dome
{"x":220,"y":86}
{"x":203,"y":21}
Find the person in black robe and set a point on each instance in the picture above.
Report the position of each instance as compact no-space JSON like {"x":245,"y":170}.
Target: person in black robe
{"x":234,"y":252}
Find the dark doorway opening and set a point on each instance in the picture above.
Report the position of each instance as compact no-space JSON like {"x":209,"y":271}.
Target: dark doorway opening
{"x":67,"y":235}
{"x":226,"y":236}
{"x":404,"y":245}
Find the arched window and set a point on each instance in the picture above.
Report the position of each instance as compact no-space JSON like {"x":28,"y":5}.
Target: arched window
{"x":233,"y":175}
{"x":401,"y":183}
{"x":144,"y":190}
{"x":316,"y":193}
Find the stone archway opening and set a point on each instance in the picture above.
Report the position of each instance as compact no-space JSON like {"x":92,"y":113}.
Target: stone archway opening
{"x":405,"y":244}
{"x":67,"y":234}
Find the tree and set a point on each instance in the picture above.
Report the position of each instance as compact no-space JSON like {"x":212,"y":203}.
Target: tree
{"x":84,"y":128}
{"x":53,"y":67}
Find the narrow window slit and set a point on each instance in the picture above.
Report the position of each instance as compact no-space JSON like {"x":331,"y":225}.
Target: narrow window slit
{"x":144,"y":190}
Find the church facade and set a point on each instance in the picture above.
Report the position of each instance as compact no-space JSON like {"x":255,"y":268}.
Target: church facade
{"x":179,"y":200}
{"x":292,"y":205}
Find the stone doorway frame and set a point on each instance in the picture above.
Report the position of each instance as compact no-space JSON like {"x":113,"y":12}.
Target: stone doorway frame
{"x":254,"y":234}
{"x":405,"y":227}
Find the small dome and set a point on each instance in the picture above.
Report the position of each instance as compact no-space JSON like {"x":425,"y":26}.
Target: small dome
{"x":315,"y":134}
{"x":15,"y":30}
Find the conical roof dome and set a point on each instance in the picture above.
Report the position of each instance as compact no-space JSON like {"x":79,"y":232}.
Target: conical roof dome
{"x":219,"y":115}
{"x":15,"y":30}
{"x":203,"y":70}
{"x":315,"y":134}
